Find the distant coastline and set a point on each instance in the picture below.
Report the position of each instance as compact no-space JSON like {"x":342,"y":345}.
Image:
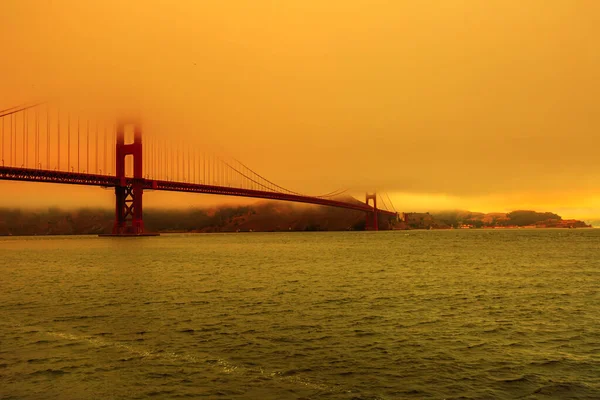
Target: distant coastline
{"x":266,"y":217}
{"x":520,"y":219}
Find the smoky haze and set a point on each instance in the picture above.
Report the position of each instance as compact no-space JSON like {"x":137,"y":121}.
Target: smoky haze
{"x":484,"y":104}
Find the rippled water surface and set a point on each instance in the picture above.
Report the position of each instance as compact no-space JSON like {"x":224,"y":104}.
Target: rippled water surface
{"x":358,"y":315}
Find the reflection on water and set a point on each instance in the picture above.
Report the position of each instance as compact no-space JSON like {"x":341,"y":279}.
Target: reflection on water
{"x":356,"y":315}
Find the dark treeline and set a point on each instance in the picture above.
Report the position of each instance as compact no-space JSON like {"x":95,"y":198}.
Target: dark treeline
{"x":54,"y":221}
{"x":519,"y":218}
{"x":192,"y":220}
{"x":269,"y":216}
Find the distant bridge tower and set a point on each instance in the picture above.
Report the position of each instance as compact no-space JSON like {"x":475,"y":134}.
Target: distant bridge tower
{"x":128,"y":210}
{"x":371,"y":223}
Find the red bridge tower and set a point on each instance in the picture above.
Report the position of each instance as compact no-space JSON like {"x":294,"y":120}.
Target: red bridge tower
{"x":128,"y":210}
{"x":372,"y":224}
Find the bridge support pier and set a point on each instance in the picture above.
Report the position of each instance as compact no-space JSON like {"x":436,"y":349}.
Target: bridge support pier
{"x":371,"y":222}
{"x":129,"y":219}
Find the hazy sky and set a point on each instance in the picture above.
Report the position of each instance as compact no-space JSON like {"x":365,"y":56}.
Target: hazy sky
{"x":487,"y":105}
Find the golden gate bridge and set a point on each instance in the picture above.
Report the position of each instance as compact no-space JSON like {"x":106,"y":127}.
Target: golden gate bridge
{"x":41,"y":144}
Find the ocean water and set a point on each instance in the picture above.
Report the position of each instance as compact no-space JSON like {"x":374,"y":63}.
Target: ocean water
{"x":356,"y":315}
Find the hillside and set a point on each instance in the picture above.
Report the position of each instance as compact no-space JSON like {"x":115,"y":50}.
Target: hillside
{"x":469,"y":219}
{"x":265,"y":217}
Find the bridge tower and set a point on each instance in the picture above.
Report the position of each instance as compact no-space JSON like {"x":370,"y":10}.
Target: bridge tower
{"x":371,"y":224}
{"x":128,"y":210}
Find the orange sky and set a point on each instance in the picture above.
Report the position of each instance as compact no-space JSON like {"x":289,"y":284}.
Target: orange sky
{"x":484,"y":105}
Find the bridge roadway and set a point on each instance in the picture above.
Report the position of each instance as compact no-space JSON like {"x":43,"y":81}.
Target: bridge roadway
{"x":77,"y":178}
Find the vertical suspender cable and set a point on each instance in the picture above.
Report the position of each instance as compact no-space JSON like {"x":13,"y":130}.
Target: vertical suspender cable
{"x":2,"y":141}
{"x":78,"y":145}
{"x":146,"y":150}
{"x":24,"y":135}
{"x":151,"y":160}
{"x":15,"y":140}
{"x":27,"y":141}
{"x":96,"y":146}
{"x":37,"y":138}
{"x":149,"y":150}
{"x":10,"y":150}
{"x":145,"y":158}
{"x":113,"y":152}
{"x":68,"y":141}
{"x":153,"y":157}
{"x":11,"y":139}
{"x":147,"y":155}
{"x":14,"y":149}
{"x":58,"y":133}
{"x":105,"y":152}
{"x":48,"y":137}
{"x":87,"y":149}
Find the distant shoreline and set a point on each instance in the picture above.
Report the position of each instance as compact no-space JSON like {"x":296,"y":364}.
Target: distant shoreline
{"x":299,"y":232}
{"x":267,"y":217}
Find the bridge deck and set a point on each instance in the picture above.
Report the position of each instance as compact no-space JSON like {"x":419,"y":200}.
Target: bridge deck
{"x":76,"y":178}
